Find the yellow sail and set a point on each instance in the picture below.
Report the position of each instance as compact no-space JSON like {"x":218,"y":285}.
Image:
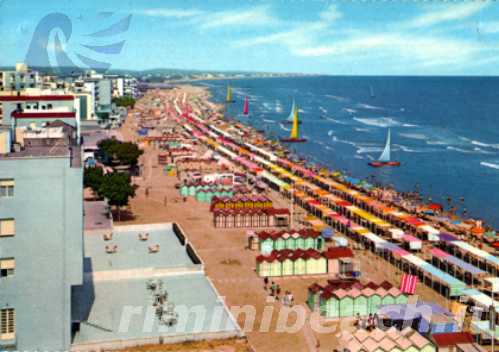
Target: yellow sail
{"x":294,"y":129}
{"x":229,"y":94}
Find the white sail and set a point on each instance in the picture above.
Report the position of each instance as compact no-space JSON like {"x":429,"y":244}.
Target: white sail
{"x":292,"y":113}
{"x":385,"y":156}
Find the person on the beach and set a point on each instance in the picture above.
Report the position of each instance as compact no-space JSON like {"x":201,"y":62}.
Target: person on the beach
{"x":357,"y":321}
{"x":370,"y":322}
{"x":265,"y":282}
{"x":274,"y":289}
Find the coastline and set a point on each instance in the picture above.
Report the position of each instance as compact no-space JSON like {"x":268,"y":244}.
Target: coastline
{"x":407,"y":197}
{"x":229,"y":262}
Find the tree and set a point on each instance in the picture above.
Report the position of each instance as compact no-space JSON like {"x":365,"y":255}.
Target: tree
{"x":122,"y":153}
{"x":126,"y":101}
{"x":93,"y":178}
{"x":117,"y":189}
{"x":128,"y":153}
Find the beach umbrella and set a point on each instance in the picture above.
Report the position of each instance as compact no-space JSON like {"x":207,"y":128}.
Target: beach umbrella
{"x":327,"y":232}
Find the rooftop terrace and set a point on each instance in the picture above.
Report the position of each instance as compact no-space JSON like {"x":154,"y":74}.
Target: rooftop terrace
{"x":132,"y":253}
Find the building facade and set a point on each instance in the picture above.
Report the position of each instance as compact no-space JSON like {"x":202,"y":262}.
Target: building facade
{"x":41,"y":227}
{"x":19,"y":79}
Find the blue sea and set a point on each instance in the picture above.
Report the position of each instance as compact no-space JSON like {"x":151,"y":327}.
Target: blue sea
{"x":445,"y":130}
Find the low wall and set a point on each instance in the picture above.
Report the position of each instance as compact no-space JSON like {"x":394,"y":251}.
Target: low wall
{"x":157,"y":340}
{"x":179,"y":233}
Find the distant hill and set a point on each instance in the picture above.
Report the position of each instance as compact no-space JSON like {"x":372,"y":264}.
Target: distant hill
{"x":156,"y":75}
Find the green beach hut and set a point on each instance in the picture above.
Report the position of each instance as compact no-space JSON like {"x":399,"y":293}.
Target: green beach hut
{"x":374,"y":303}
{"x":345,"y":303}
{"x":184,"y":190}
{"x":361,"y":305}
{"x":279,"y":243}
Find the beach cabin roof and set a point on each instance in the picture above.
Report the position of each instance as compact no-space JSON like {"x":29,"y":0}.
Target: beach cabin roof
{"x":338,"y":252}
{"x":381,"y":292}
{"x":386,"y":285}
{"x":361,"y":335}
{"x":368,"y":292}
{"x":452,"y":338}
{"x":387,"y":344}
{"x":370,"y":344}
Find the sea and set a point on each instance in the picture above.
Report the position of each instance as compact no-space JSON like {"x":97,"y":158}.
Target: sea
{"x":444,"y":130}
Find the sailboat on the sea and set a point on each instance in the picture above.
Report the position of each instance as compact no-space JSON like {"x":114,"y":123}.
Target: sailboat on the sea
{"x":385,"y":157}
{"x":294,"y":137}
{"x":229,"y":98}
{"x":290,"y":118}
{"x":246,"y":106}
{"x":371,"y":91}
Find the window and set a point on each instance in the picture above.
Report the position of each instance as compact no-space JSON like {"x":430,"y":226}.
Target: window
{"x":6,"y":188}
{"x":7,"y":324}
{"x":7,"y":227}
{"x":7,"y":267}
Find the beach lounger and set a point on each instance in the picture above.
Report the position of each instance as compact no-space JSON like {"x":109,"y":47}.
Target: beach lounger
{"x":153,"y":248}
{"x":111,"y":248}
{"x":108,"y":236}
{"x":143,"y":236}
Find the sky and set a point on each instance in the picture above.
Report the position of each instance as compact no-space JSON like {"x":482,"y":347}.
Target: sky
{"x":323,"y":37}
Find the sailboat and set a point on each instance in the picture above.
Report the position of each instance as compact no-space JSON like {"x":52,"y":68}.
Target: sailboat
{"x":229,"y":98}
{"x":371,"y":91}
{"x":290,"y":118}
{"x":295,"y":133}
{"x":245,"y":107}
{"x":384,"y":158}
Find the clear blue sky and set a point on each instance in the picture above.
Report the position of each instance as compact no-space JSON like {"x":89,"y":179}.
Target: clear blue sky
{"x":405,"y":38}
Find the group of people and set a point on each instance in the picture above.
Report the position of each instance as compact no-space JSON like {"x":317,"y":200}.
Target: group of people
{"x":368,"y":323}
{"x":275,"y":291}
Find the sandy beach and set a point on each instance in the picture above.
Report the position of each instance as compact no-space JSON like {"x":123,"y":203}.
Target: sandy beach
{"x":229,"y":264}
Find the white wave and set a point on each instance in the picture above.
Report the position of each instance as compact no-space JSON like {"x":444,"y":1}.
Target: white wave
{"x":409,"y":125}
{"x":330,"y":133}
{"x":337,"y":98}
{"x":433,"y":142}
{"x":362,"y":129}
{"x":349,"y":110}
{"x":337,"y":140}
{"x":418,"y":136}
{"x":269,"y":121}
{"x":358,"y":157}
{"x":468,"y":151}
{"x":323,"y":110}
{"x":364,"y":150}
{"x":481,"y":151}
{"x":491,"y":165}
{"x":485,"y":145}
{"x":336,"y":121}
{"x":402,"y":109}
{"x":407,"y":149}
{"x":267,"y":106}
{"x":368,"y":107}
{"x":378,"y":121}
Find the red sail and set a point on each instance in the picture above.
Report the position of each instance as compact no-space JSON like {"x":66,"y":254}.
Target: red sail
{"x":245,"y":108}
